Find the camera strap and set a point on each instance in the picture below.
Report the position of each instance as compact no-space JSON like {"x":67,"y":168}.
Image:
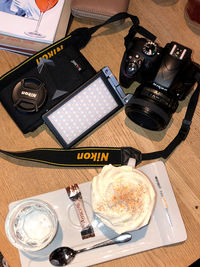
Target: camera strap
{"x":77,"y":39}
{"x":98,"y":156}
{"x":184,"y":130}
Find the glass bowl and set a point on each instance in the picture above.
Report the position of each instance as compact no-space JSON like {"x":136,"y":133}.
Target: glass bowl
{"x":31,"y":225}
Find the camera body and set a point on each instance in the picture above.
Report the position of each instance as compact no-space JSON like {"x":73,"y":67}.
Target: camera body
{"x":166,"y":75}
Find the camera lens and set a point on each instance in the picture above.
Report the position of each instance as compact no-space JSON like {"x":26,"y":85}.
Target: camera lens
{"x":147,"y":114}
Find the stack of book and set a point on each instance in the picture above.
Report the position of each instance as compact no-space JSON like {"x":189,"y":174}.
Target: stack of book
{"x":27,"y":26}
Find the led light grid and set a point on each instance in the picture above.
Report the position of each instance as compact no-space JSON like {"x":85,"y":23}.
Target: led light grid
{"x":77,"y":115}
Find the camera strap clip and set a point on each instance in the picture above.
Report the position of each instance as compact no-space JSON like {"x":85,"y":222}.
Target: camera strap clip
{"x":185,"y":128}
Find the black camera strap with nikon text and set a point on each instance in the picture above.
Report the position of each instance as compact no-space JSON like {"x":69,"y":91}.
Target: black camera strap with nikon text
{"x":100,"y":156}
{"x":97,"y":156}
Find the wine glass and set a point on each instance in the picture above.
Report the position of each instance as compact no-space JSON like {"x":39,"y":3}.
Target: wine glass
{"x":43,"y":6}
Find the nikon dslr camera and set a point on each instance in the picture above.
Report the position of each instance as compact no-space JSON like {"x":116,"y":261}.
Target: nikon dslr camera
{"x":166,"y":76}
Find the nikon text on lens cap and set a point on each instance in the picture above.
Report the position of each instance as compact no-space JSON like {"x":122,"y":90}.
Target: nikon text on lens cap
{"x":29,"y":95}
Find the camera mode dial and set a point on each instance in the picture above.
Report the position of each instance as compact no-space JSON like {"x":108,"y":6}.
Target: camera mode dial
{"x":150,"y":48}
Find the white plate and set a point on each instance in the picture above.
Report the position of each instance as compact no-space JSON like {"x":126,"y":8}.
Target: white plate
{"x":166,"y":226}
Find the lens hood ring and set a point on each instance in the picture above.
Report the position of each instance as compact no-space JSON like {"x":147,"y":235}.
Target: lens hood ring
{"x":149,"y":111}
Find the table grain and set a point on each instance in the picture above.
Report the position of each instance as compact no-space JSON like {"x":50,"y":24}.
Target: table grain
{"x":20,"y":179}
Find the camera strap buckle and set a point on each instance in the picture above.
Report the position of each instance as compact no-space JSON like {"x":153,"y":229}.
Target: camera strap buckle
{"x":185,"y":128}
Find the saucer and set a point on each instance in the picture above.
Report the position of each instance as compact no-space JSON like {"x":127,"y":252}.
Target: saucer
{"x":166,"y":226}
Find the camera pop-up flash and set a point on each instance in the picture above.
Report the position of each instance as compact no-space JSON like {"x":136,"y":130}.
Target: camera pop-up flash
{"x":86,"y":108}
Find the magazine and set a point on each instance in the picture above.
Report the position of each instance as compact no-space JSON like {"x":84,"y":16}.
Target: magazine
{"x":28,"y":46}
{"x":35,"y":20}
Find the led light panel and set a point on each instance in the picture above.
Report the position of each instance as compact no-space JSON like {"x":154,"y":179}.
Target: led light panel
{"x":84,"y":110}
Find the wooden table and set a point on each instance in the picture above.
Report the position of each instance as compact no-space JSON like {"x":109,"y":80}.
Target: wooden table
{"x":19,"y":179}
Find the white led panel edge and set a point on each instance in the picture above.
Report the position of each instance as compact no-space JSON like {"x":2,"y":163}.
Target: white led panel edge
{"x":83,"y":110}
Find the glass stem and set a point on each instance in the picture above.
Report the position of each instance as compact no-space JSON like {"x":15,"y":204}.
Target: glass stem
{"x":39,"y":21}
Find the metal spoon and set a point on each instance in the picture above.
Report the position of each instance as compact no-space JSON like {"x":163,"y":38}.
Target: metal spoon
{"x":64,"y":255}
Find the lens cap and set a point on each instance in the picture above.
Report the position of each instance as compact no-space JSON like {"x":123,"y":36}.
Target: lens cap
{"x":29,"y":95}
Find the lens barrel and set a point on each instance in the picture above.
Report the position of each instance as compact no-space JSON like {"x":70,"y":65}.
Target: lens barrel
{"x":151,"y":108}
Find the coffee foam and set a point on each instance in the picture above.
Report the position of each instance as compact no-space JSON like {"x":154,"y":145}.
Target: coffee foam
{"x":123,"y":198}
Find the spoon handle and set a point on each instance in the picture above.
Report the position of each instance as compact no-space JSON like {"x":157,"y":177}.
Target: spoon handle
{"x":125,"y":237}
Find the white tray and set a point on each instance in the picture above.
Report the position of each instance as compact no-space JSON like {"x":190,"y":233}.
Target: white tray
{"x":166,"y":226}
